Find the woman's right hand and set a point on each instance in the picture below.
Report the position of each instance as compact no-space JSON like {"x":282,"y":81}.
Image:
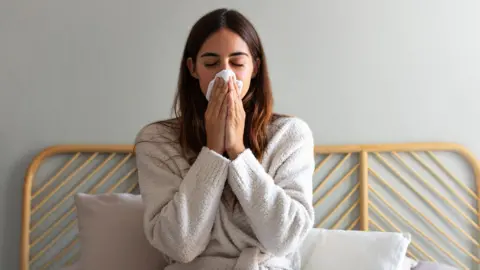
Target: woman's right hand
{"x":215,"y":117}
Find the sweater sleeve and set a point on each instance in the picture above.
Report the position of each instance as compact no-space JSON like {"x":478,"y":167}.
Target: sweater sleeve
{"x":279,"y":207}
{"x":179,"y":213}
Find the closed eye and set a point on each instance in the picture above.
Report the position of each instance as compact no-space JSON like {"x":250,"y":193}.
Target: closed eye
{"x":216,"y":63}
{"x":211,"y":64}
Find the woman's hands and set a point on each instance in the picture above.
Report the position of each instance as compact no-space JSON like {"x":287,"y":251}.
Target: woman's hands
{"x":215,"y":117}
{"x":225,"y":119}
{"x":235,"y":123}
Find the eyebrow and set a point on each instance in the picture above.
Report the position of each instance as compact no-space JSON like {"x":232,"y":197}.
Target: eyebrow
{"x":207,"y":54}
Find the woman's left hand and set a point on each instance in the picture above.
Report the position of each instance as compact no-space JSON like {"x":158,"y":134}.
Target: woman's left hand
{"x":235,"y":123}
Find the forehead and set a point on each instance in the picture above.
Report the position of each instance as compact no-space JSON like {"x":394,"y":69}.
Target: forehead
{"x":224,"y":42}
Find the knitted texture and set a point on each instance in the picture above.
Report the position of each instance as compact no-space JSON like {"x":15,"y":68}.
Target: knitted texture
{"x":187,"y":220}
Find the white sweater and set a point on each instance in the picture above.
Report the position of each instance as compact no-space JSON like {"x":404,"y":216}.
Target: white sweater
{"x":186,"y":219}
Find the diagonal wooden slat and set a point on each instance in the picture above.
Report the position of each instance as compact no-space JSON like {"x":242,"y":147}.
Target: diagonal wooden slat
{"x":51,"y":228}
{"x":72,"y":208}
{"x":65,"y":181}
{"x":439,"y":179}
{"x":322,"y":163}
{"x":60,"y":254}
{"x":111,"y":173}
{"x":385,"y":183}
{"x":72,"y":260}
{"x":383,"y":217}
{"x":344,"y":215}
{"x":355,"y":188}
{"x":378,"y":227}
{"x":449,"y":173}
{"x":433,"y":189}
{"x":73,"y":191}
{"x":59,"y":172}
{"x":122,"y":180}
{"x":345,"y":177}
{"x":399,"y":175}
{"x":379,"y":213}
{"x":54,"y":241}
{"x":423,"y":234}
{"x":71,"y":244}
{"x":132,"y":187}
{"x":331,"y":173}
{"x":353,"y":224}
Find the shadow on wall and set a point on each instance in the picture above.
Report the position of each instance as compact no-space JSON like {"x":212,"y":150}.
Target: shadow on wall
{"x":12,"y":208}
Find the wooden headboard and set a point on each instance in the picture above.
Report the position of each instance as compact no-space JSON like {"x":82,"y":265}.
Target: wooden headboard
{"x":428,"y":189}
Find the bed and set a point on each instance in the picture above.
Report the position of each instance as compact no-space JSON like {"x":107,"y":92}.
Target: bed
{"x":430,"y":190}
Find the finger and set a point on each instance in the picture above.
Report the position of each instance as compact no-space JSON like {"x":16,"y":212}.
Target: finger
{"x":239,"y":110}
{"x":213,"y":104}
{"x":231,"y":104}
{"x":219,"y":98}
{"x":222,"y":88}
{"x":238,"y":97}
{"x":235,"y":87}
{"x":223,"y":109}
{"x":213,"y":97}
{"x":216,"y":86}
{"x":235,"y":96}
{"x":238,"y":94}
{"x":234,"y":91}
{"x":230,"y":84}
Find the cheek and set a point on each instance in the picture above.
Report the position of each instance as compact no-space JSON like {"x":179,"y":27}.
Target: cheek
{"x":245,"y":77}
{"x":204,"y":78}
{"x":246,"y":86}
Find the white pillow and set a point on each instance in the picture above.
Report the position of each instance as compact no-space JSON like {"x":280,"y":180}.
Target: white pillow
{"x":308,"y":245}
{"x":408,"y":263}
{"x":112,"y":235}
{"x":347,"y":250}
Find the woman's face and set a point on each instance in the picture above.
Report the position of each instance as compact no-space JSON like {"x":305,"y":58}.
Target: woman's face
{"x":224,"y":50}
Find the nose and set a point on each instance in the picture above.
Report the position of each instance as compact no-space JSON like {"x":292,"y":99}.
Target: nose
{"x":224,"y":65}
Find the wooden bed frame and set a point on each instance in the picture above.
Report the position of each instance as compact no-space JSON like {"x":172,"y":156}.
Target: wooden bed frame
{"x":418,"y":189}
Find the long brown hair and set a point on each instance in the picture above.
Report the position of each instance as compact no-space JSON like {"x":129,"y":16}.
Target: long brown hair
{"x":190,"y":104}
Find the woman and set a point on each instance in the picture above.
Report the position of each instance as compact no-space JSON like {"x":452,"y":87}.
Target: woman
{"x":226,"y":184}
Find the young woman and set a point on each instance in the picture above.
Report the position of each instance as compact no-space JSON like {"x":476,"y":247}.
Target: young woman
{"x":226,"y":183}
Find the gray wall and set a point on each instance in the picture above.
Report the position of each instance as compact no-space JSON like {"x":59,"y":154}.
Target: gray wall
{"x":357,"y":71}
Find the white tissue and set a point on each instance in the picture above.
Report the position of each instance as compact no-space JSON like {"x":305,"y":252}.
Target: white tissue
{"x":224,"y":74}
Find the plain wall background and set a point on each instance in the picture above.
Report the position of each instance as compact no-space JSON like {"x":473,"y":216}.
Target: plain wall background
{"x":368,"y":71}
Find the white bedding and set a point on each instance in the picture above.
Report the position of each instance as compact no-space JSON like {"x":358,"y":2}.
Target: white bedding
{"x":307,"y":249}
{"x":305,"y":252}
